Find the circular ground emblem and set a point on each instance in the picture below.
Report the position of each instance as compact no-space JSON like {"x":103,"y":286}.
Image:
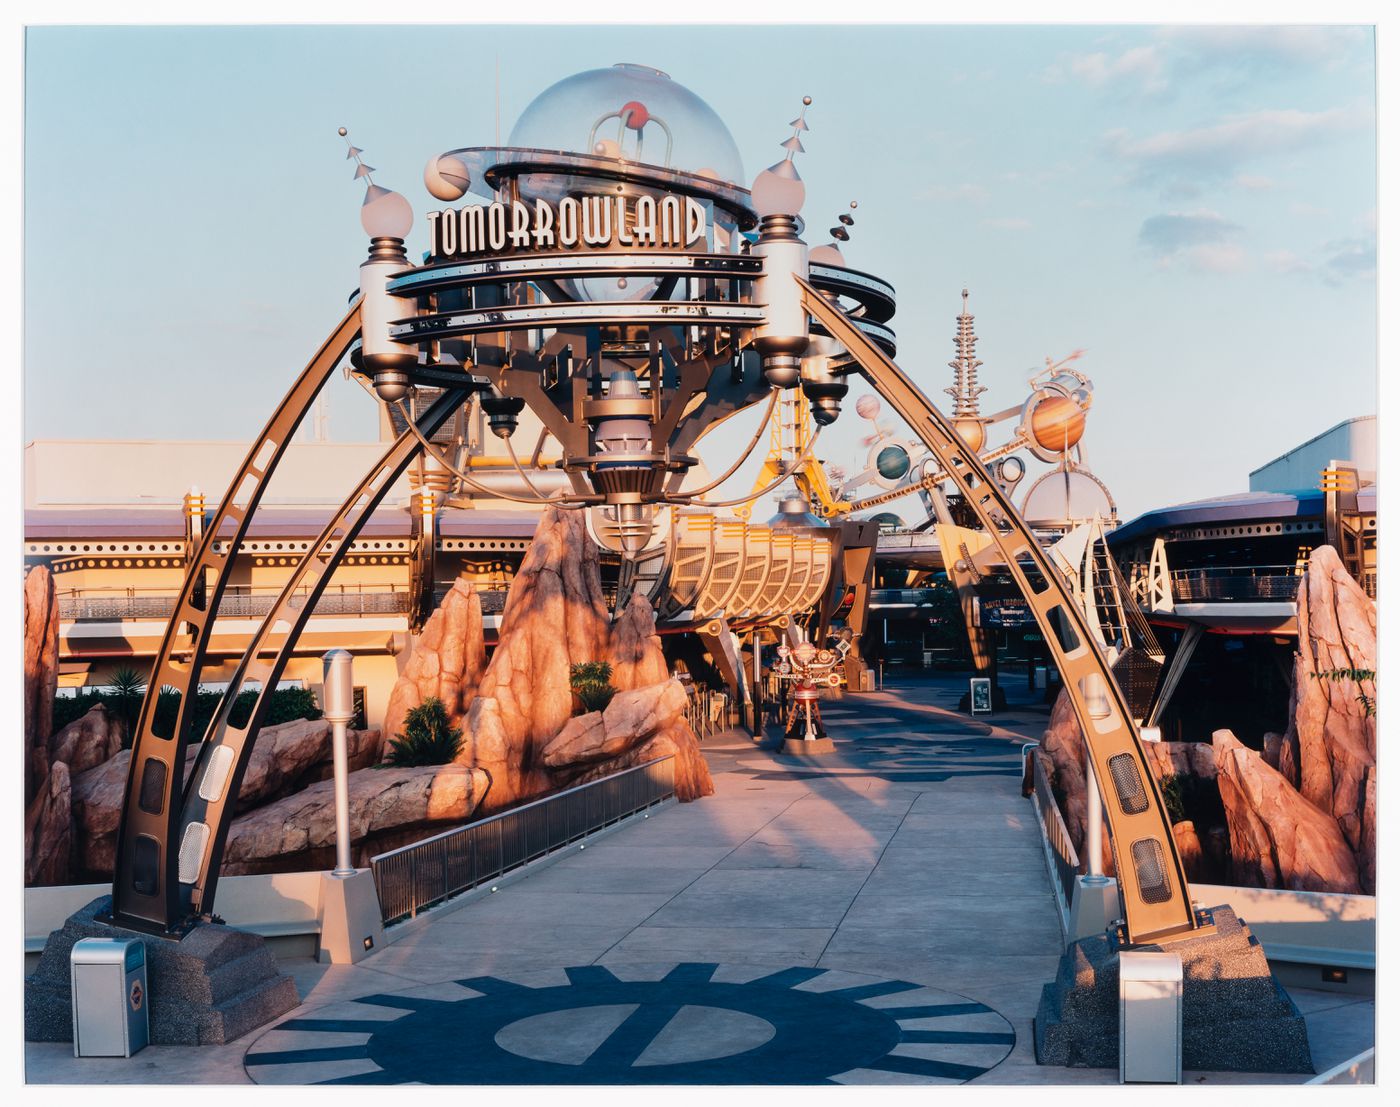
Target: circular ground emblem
{"x":678,"y":1024}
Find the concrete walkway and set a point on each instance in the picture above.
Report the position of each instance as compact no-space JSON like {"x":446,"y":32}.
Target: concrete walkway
{"x":881,"y":915}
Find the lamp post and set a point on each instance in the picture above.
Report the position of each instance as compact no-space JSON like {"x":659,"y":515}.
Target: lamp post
{"x":351,"y":923}
{"x":339,"y":695}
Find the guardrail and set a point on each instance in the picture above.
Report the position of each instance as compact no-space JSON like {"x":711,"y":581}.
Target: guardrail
{"x":109,"y":608}
{"x":1060,"y":854}
{"x":417,"y":876}
{"x":1235,"y":583}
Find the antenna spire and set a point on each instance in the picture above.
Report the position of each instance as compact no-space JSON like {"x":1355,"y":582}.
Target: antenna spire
{"x":965,"y":388}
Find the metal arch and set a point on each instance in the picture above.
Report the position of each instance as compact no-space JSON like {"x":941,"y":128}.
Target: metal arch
{"x":213,"y":788}
{"x":1152,"y":881}
{"x":145,"y":889}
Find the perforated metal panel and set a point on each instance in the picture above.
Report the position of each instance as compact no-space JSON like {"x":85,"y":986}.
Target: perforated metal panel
{"x":1150,"y":867}
{"x":1127,"y":783}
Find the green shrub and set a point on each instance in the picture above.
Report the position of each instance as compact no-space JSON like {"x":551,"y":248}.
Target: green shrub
{"x":1172,"y":796}
{"x":428,"y":738}
{"x":284,"y":705}
{"x":590,"y":681}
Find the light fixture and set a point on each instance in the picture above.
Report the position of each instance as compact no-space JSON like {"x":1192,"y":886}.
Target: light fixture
{"x":387,"y":218}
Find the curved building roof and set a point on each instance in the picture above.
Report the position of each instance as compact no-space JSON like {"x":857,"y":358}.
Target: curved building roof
{"x":1243,"y":507}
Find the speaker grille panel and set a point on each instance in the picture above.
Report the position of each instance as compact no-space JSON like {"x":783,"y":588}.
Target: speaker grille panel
{"x":192,"y":851}
{"x":152,"y":796}
{"x":1150,"y":865}
{"x":1127,"y":783}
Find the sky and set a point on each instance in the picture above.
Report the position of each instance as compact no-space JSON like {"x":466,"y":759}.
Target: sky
{"x":1194,"y":207}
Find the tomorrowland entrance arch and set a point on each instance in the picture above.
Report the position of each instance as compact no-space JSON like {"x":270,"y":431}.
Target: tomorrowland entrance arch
{"x":618,"y":282}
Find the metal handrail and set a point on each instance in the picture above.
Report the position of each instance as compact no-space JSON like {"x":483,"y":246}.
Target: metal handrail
{"x":454,"y":861}
{"x":1062,"y":857}
{"x":85,"y":608}
{"x":1235,"y":583}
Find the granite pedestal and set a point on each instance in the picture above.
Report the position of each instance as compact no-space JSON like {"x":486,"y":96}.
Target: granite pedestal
{"x":1236,"y":1017}
{"x":211,"y":987}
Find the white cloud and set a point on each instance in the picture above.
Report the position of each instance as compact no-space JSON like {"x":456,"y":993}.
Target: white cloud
{"x":1142,"y":65}
{"x":1286,"y":261}
{"x":1349,"y":259}
{"x":1008,"y":224}
{"x":1253,"y":183}
{"x":1204,"y":240}
{"x":1225,"y":257}
{"x":1224,"y":147}
{"x":1241,"y":47}
{"x":1226,"y":53}
{"x":1307,"y":211}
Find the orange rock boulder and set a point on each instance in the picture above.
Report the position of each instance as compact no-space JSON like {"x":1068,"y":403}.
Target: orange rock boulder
{"x":1277,"y":838}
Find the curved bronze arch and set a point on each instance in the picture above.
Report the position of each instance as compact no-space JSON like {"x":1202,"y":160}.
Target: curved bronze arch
{"x":1151,"y":879}
{"x":156,"y":838}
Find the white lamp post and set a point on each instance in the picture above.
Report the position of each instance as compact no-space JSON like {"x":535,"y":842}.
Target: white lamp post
{"x":351,"y":924}
{"x":339,"y":696}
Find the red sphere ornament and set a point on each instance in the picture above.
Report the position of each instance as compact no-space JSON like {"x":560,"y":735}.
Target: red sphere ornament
{"x":636,"y":114}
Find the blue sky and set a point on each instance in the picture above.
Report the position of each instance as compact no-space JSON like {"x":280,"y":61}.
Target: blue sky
{"x":1194,"y":207}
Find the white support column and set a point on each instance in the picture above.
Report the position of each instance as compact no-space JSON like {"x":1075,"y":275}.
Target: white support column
{"x":351,"y":923}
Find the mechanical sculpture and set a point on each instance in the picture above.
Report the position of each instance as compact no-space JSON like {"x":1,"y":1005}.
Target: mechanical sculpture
{"x":606,"y":276}
{"x":1050,"y":428}
{"x":806,"y":669}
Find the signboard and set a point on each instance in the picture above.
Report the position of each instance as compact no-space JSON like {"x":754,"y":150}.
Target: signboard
{"x":1006,"y":613}
{"x":981,"y":695}
{"x":668,"y":222}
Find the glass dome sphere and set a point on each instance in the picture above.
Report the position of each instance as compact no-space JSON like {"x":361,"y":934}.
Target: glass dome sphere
{"x":634,"y":113}
{"x":1063,"y":498}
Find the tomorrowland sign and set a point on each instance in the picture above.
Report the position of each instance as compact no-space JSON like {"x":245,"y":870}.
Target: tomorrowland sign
{"x":667,"y":222}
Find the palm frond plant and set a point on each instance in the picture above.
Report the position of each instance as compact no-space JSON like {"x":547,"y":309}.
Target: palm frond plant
{"x":428,"y":737}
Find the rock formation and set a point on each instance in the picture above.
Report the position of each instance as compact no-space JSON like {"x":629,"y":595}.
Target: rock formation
{"x":1188,"y":847}
{"x":89,"y":741}
{"x":634,"y":647}
{"x":298,"y":832}
{"x":47,"y":781}
{"x":1334,"y":730}
{"x":1277,"y":838}
{"x":447,"y":662}
{"x":288,"y":755}
{"x":97,"y":810}
{"x":1180,"y":758}
{"x":284,"y":758}
{"x":48,"y":830}
{"x":40,"y":660}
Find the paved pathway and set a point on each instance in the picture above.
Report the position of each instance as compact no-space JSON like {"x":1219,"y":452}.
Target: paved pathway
{"x":881,"y":915}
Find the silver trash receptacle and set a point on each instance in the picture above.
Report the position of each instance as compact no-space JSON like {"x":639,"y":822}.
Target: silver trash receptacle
{"x":111,"y":1012}
{"x":1149,"y":1018}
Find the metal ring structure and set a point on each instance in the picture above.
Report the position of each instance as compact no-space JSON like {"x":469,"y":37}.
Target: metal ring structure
{"x":530,"y":316}
{"x":462,"y":274}
{"x":1152,"y":881}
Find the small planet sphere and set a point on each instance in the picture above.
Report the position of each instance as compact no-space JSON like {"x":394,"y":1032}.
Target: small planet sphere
{"x":892,"y":462}
{"x":636,"y":114}
{"x":973,"y":432}
{"x":867,"y":407}
{"x":1057,"y":423}
{"x":447,"y":178}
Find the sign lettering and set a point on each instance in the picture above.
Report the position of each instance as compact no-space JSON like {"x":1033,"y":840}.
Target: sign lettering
{"x":593,"y":222}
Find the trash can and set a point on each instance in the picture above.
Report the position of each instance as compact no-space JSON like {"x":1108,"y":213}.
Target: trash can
{"x":111,"y":1015}
{"x":1149,"y":1018}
